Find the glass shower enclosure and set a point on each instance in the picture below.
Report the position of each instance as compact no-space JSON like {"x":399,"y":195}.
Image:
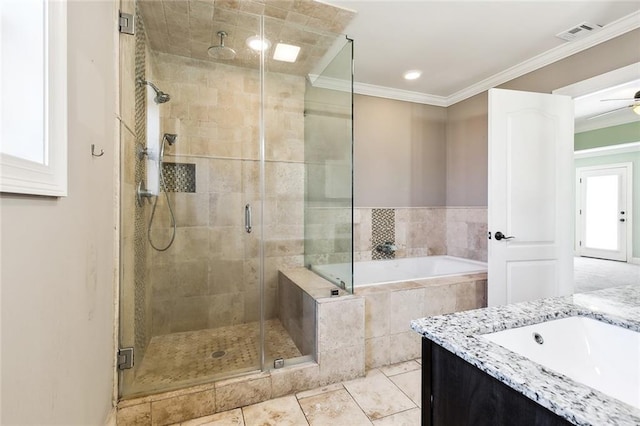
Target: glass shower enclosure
{"x":218,"y":148}
{"x":328,"y":135}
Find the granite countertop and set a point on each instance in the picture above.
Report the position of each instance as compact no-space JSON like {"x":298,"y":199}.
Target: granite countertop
{"x":569,"y":399}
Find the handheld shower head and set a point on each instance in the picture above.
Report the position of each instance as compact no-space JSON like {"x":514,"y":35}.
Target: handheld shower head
{"x":161,"y":97}
{"x":169,"y":138}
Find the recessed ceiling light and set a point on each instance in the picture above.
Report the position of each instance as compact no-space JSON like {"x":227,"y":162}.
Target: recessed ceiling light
{"x":286,"y":52}
{"x":257,"y":43}
{"x":412,"y":74}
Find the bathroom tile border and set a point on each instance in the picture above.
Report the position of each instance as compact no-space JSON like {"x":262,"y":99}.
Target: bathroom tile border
{"x":421,"y":231}
{"x":180,"y":405}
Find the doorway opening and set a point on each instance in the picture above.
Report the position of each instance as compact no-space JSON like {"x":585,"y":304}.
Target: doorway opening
{"x":603,"y":195}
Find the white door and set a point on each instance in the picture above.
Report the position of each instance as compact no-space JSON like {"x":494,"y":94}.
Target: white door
{"x":603,"y":218}
{"x":530,"y":196}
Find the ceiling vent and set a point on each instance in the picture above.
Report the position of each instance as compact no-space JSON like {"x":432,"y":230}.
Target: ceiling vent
{"x":579,"y":31}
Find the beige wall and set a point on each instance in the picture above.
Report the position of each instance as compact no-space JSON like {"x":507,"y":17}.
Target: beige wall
{"x":399,"y":153}
{"x":467,"y":152}
{"x":467,"y":124}
{"x":58,"y":254}
{"x":412,"y":155}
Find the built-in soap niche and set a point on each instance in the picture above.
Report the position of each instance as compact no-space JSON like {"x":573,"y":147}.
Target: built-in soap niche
{"x":179,"y":177}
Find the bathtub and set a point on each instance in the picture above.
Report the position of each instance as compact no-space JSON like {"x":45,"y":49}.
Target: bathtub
{"x":396,"y":291}
{"x":600,"y":355}
{"x":376,"y":272}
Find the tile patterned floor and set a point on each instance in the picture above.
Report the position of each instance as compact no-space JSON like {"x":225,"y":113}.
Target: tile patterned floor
{"x":388,"y":396}
{"x":183,"y":357}
{"x":596,"y":274}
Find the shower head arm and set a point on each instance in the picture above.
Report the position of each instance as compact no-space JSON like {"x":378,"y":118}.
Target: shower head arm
{"x":161,"y":97}
{"x":222,"y":35}
{"x":142,"y":82}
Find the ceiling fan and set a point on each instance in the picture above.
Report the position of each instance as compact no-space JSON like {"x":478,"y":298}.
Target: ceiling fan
{"x":635,"y":106}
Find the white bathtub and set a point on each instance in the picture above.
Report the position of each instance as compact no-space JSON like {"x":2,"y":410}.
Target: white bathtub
{"x":600,"y":355}
{"x":376,"y":272}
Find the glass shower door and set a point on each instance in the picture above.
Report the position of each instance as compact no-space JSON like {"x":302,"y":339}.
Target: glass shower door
{"x":191,"y":262}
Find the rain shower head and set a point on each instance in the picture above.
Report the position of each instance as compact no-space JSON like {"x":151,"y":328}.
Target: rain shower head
{"x":161,"y":97}
{"x":221,"y":51}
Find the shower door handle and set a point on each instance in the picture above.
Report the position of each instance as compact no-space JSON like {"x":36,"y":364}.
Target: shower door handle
{"x":247,"y":218}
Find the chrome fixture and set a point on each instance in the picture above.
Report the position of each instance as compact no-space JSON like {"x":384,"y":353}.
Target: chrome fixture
{"x":221,"y":51}
{"x":171,"y":139}
{"x":247,"y":218}
{"x":142,"y":194}
{"x":387,"y":248}
{"x":161,"y":97}
{"x":538,"y":338}
{"x":94,"y":153}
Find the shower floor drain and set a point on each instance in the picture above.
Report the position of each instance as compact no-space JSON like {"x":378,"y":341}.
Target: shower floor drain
{"x":218,"y":354}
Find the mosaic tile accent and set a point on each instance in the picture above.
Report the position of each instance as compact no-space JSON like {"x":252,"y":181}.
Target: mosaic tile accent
{"x":183,"y":357}
{"x":179,"y":177}
{"x":141,"y":278}
{"x":383,"y":224}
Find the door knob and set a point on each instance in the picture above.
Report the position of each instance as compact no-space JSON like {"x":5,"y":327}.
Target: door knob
{"x":500,"y":236}
{"x":622,"y":220}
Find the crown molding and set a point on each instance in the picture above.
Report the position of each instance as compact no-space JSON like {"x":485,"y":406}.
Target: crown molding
{"x":608,"y":32}
{"x":329,"y":83}
{"x":400,"y":95}
{"x":377,"y":91}
{"x":612,"y":30}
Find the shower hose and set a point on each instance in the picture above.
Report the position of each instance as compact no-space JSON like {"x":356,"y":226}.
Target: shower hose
{"x":153,"y":213}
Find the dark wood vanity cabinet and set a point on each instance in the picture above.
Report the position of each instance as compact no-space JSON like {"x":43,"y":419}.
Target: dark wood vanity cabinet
{"x":455,"y":393}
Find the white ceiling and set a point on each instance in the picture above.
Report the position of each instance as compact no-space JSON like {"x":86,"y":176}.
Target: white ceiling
{"x":466,"y":47}
{"x":459,"y":44}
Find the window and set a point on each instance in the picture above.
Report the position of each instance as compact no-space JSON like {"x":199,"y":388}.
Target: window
{"x":33,"y":97}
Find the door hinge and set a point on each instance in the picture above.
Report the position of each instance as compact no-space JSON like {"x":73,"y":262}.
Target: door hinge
{"x":126,"y":23}
{"x":125,"y":358}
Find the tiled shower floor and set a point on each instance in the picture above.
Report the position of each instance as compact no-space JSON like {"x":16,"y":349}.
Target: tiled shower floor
{"x":184,"y":358}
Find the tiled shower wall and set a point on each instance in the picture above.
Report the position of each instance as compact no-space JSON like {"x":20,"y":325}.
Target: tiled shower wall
{"x":209,"y":277}
{"x":423,"y":231}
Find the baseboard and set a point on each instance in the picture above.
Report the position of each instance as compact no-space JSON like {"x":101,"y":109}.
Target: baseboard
{"x":635,"y":260}
{"x":112,"y":417}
